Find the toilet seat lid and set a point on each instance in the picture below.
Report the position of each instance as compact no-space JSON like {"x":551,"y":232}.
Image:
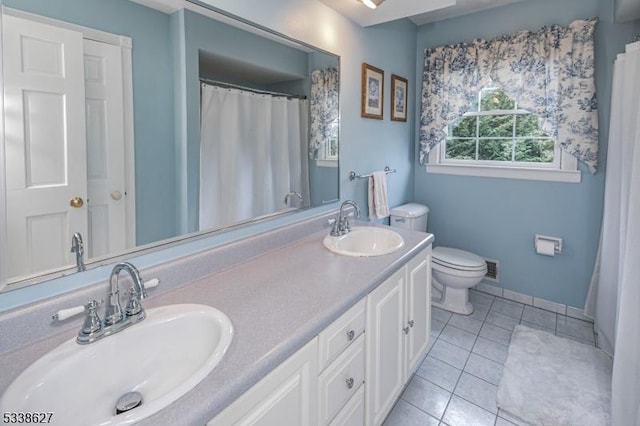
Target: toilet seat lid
{"x":458,"y":259}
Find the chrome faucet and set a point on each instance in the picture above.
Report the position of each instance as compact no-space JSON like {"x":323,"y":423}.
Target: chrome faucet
{"x":295,"y":194}
{"x":341,"y":224}
{"x":113,"y":312}
{"x":115,"y":319}
{"x":77,"y":247}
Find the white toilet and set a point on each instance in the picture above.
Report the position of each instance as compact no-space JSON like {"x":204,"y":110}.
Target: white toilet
{"x":454,"y":271}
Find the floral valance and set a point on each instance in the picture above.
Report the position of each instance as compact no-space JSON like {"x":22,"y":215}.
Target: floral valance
{"x":323,"y":107}
{"x":549,"y":72}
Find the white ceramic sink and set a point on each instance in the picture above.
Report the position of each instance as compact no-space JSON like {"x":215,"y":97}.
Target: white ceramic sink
{"x":365,"y":241}
{"x":162,"y":357}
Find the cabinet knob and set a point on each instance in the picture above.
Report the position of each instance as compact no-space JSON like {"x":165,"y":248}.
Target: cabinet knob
{"x":351,"y":334}
{"x":411,"y":323}
{"x":350,"y":383}
{"x":406,"y":330}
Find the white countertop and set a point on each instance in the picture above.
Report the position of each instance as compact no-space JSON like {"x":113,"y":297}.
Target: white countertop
{"x":277,"y":302}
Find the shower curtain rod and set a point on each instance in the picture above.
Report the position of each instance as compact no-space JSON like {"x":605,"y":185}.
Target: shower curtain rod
{"x":249,"y":89}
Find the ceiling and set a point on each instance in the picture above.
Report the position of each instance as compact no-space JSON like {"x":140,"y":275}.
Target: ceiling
{"x":419,"y":11}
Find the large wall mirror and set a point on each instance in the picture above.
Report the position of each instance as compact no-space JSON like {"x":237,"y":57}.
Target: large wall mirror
{"x":133,"y":125}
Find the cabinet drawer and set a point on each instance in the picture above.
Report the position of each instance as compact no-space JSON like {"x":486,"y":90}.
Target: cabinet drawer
{"x":341,"y":380}
{"x":353,"y":413}
{"x":341,"y":333}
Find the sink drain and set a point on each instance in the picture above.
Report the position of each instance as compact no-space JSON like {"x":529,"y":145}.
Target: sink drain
{"x":128,"y":402}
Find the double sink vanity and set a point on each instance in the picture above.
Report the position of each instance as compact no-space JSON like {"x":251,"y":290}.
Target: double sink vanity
{"x":292,"y":326}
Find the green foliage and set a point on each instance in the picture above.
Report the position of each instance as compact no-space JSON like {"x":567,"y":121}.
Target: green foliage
{"x":494,"y":134}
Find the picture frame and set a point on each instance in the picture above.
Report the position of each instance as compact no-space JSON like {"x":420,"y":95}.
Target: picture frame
{"x":399,"y":92}
{"x":372,"y":92}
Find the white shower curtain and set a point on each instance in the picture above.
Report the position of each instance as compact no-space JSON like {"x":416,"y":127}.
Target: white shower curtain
{"x":252,"y":153}
{"x":614,"y":297}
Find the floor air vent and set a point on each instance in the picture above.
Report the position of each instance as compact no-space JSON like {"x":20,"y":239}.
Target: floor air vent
{"x":492,"y":270}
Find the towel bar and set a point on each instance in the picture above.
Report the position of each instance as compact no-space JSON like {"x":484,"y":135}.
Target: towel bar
{"x":354,"y":176}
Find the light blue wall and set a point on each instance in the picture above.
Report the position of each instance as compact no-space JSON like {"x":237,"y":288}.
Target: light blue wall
{"x":152,"y":96}
{"x":497,"y":218}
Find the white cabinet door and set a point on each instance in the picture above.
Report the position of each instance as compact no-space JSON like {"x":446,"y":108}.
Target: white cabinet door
{"x":285,"y":397}
{"x":385,"y":342}
{"x":398,"y":330}
{"x":418,"y":312}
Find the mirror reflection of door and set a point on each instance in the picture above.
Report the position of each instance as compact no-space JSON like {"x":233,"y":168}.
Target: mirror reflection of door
{"x":65,"y":154}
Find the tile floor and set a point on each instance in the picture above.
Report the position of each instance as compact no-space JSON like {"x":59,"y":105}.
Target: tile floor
{"x":456,"y":384}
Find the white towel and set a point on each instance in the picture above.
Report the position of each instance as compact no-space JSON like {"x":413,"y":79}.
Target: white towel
{"x":378,"y":207}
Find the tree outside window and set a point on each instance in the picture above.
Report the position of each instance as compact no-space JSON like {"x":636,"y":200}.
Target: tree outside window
{"x":495,"y":130}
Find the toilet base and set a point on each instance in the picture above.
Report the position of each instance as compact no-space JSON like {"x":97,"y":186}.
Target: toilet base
{"x":454,"y":300}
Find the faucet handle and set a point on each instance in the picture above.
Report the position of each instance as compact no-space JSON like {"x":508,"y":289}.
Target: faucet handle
{"x":92,"y":321}
{"x":67,"y":313}
{"x":151,"y":283}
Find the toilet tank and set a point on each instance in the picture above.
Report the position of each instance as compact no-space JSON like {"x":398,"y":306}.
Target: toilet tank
{"x":410,"y":216}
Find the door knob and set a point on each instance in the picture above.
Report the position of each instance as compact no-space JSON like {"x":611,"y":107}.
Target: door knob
{"x":116,"y":195}
{"x":76,"y":202}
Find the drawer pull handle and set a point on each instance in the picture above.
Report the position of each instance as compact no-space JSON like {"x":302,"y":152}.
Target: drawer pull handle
{"x":411,"y":323}
{"x":406,"y":330}
{"x":350,"y":335}
{"x":350,"y":383}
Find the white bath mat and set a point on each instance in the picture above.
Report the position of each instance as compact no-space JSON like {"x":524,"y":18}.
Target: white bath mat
{"x":550,"y":380}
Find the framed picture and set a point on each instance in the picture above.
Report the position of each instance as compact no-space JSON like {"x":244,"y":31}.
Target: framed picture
{"x":399,"y":88}
{"x":372,"y":92}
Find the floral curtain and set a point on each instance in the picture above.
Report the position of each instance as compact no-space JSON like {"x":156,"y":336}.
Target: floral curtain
{"x":323,"y":107}
{"x":549,"y":72}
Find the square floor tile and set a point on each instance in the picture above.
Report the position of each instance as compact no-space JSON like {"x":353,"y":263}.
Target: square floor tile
{"x":478,"y":298}
{"x":484,"y":368}
{"x":496,"y":334}
{"x":502,"y":320}
{"x":575,"y":339}
{"x":466,"y":323}
{"x":508,"y":308}
{"x":492,"y":350}
{"x":577,"y":328}
{"x":436,"y":327}
{"x":536,"y":326}
{"x":463,"y":413}
{"x":477,"y":391}
{"x":540,"y":317}
{"x":458,"y":337}
{"x":479,"y":312}
{"x":426,"y":396}
{"x":440,"y":314}
{"x":451,"y":354}
{"x":439,"y":373}
{"x":405,"y":414}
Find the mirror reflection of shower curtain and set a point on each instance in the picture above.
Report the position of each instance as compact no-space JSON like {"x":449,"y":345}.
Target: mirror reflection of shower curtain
{"x":252,"y":153}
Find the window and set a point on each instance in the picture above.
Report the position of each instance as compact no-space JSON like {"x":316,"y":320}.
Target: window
{"x":328,"y":152}
{"x":496,"y":138}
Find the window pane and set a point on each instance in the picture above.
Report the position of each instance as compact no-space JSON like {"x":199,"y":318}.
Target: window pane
{"x":495,"y":149}
{"x":461,"y":149}
{"x":496,"y":126}
{"x":464,"y":128}
{"x":493,"y":99}
{"x":527,"y":125}
{"x":534,"y":150}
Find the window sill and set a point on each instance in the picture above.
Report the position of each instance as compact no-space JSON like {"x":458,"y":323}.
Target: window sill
{"x":569,"y":176}
{"x":327,"y":163}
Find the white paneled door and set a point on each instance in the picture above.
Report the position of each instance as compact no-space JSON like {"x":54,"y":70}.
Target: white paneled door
{"x":45,"y":143}
{"x":105,"y":148}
